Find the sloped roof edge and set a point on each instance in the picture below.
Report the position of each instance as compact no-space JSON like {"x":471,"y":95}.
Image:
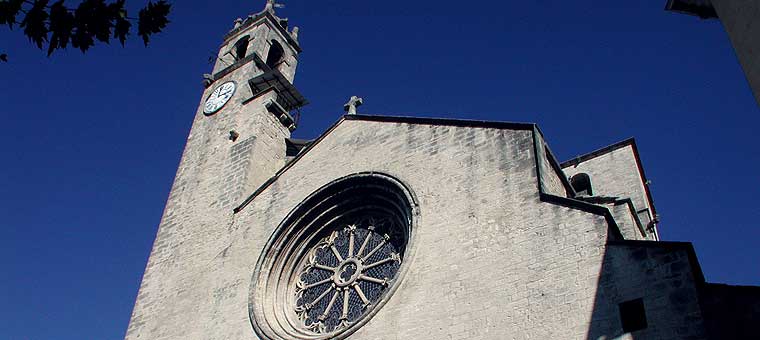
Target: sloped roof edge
{"x":564,"y":201}
{"x":590,"y":208}
{"x":287,"y":166}
{"x":599,"y":152}
{"x":443,"y":121}
{"x":392,"y":119}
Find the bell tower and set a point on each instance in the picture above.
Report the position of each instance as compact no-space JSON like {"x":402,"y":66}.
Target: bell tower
{"x":262,"y":38}
{"x":256,"y":64}
{"x":247,"y":111}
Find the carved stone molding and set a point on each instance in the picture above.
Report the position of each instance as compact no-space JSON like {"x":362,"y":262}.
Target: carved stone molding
{"x":334,"y":260}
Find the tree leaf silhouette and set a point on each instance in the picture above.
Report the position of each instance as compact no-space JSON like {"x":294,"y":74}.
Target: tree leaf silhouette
{"x":122,"y":24}
{"x":34,"y":23}
{"x":92,"y":21}
{"x":8,"y":11}
{"x":61,"y":24}
{"x":152,"y":19}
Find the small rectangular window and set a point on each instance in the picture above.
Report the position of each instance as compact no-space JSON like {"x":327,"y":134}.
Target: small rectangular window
{"x":632,"y":315}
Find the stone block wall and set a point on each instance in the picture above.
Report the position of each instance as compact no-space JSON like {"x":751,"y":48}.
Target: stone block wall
{"x":214,"y":175}
{"x":668,"y":279}
{"x":490,"y":259}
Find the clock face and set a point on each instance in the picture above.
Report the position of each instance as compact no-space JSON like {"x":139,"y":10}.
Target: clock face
{"x":219,"y":97}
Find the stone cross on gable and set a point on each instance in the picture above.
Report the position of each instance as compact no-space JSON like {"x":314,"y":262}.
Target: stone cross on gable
{"x":352,"y":104}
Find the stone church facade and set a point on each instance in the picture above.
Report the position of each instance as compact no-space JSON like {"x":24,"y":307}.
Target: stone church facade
{"x":407,"y":228}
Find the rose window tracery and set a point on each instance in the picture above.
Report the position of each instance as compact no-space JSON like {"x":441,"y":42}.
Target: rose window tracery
{"x":334,"y":260}
{"x":345,"y":273}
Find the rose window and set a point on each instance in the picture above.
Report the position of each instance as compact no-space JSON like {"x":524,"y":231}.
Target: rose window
{"x":344,"y":274}
{"x":334,"y":261}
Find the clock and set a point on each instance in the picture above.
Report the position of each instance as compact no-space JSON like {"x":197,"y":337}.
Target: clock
{"x":219,"y":97}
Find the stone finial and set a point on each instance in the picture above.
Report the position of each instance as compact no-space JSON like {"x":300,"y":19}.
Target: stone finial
{"x":294,"y":33}
{"x":238,"y":23}
{"x":352,"y":104}
{"x":271,"y":5}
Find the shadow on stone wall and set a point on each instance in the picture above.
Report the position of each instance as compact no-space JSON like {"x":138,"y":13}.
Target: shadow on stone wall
{"x":664,"y":277}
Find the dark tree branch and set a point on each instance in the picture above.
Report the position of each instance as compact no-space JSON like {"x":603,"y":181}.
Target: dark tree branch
{"x":56,"y":25}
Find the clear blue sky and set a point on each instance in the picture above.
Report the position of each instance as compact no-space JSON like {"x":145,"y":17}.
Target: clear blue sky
{"x":89,"y":143}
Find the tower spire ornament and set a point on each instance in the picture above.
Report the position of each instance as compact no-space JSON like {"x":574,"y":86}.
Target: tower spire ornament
{"x":352,"y":104}
{"x":271,"y":5}
{"x":294,"y":33}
